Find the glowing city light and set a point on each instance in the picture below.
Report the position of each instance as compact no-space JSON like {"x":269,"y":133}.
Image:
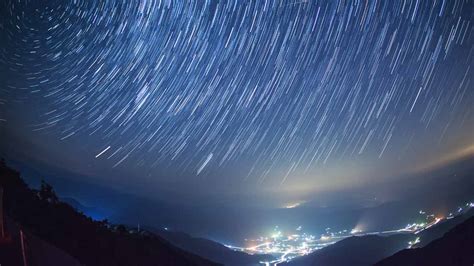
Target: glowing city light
{"x":286,"y":246}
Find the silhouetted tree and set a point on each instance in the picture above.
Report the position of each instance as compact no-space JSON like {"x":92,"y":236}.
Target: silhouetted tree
{"x":121,"y":229}
{"x":47,"y":193}
{"x":104,"y":223}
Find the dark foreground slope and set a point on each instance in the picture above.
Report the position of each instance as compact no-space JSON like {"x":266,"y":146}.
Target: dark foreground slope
{"x":455,"y":248}
{"x":92,"y":243}
{"x":37,"y":251}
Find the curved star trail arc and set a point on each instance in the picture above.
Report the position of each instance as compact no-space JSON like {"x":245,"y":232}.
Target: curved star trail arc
{"x":276,"y":86}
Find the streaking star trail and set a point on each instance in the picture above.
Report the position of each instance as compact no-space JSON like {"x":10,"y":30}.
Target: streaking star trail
{"x":263,"y":92}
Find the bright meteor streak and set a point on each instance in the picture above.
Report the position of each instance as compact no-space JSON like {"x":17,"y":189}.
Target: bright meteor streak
{"x":102,"y":152}
{"x":208,"y":159}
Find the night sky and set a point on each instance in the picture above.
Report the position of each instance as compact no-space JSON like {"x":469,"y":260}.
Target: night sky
{"x":232,"y":99}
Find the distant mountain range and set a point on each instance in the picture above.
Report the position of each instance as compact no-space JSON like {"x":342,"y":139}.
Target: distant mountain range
{"x":200,"y":246}
{"x":212,"y":250}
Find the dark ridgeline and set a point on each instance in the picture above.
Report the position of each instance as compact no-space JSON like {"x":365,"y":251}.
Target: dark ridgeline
{"x":54,"y":229}
{"x":456,"y":247}
{"x":355,"y":251}
{"x":212,"y":250}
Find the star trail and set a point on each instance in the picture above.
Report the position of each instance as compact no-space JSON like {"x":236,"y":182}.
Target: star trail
{"x":263,"y":92}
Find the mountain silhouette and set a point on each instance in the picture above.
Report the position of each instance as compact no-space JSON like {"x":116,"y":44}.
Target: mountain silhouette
{"x":212,"y":250}
{"x":369,"y":249}
{"x":356,"y":250}
{"x":456,"y":247}
{"x":43,"y":217}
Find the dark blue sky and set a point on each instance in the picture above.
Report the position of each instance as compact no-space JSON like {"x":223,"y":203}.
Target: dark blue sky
{"x":229,"y":99}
